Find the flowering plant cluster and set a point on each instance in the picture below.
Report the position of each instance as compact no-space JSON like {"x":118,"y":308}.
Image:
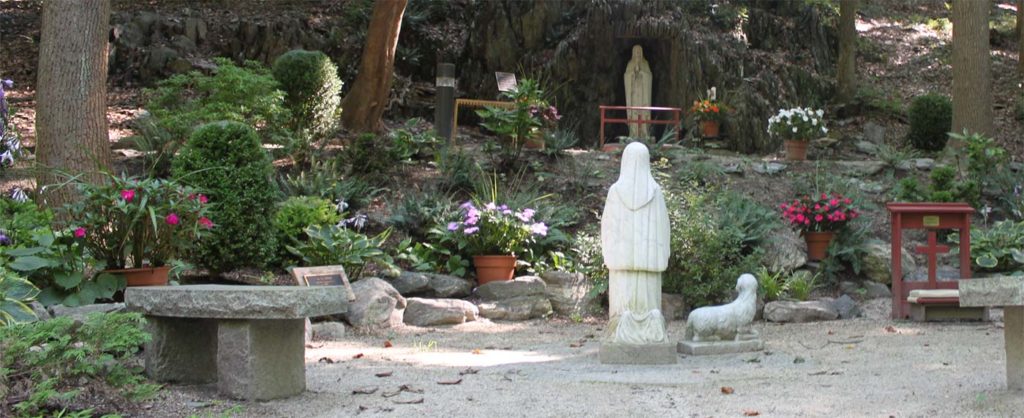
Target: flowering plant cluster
{"x":827,"y":212}
{"x":10,"y":143}
{"x":129,"y":222}
{"x":801,"y":124}
{"x":496,"y":229}
{"x":708,"y":109}
{"x":526,"y":118}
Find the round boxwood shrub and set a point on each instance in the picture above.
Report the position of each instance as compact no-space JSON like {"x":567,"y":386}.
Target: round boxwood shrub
{"x":312,"y":89}
{"x":225,"y":161}
{"x":931,"y":118}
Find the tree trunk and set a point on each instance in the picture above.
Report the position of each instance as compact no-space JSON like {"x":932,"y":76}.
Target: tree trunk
{"x":972,"y":68}
{"x":1020,"y":37}
{"x":846,"y":73}
{"x":365,"y":103}
{"x":71,"y":95}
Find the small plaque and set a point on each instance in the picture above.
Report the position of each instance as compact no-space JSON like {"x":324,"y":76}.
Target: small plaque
{"x":323,"y":276}
{"x":506,"y":81}
{"x":930,"y":221}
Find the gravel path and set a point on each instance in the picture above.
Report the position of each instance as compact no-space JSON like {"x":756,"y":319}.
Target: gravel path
{"x":864,"y":367}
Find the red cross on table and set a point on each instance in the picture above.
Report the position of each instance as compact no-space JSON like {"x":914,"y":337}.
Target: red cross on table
{"x":932,"y":250}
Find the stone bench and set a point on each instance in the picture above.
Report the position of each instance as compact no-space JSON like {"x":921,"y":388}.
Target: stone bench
{"x":1007,"y":292}
{"x":248,"y":339}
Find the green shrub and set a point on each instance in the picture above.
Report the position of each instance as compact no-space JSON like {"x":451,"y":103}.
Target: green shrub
{"x":770,"y":285}
{"x":247,"y":94}
{"x":368,"y":155}
{"x":224,"y":160}
{"x":298,"y":213}
{"x":330,"y":245}
{"x":20,"y":220}
{"x":98,"y":354}
{"x":800,"y":284}
{"x":418,"y":212}
{"x":999,"y":248}
{"x":457,"y":168}
{"x":324,"y":178}
{"x":931,"y":117}
{"x":412,"y":141}
{"x":312,"y":90}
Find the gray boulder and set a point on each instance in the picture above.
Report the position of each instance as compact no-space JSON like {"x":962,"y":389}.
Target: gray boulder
{"x":520,"y":286}
{"x":865,"y":290}
{"x":428,"y":312}
{"x":877,"y":262}
{"x":792,"y":311}
{"x":328,"y":331}
{"x":377,"y":304}
{"x":518,"y":308}
{"x":673,"y":306}
{"x":410,"y":283}
{"x":786,"y":251}
{"x":876,"y":290}
{"x":569,"y":292}
{"x":80,"y":313}
{"x":846,"y":307}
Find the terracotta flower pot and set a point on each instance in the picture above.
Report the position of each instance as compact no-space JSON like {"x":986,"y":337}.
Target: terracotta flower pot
{"x":534,"y":143}
{"x":817,"y":244}
{"x":709,"y":128}
{"x":144,"y":276}
{"x":492,"y":268}
{"x":796,"y":150}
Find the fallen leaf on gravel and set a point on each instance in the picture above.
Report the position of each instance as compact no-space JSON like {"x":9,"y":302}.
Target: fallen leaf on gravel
{"x":450,"y":382}
{"x":589,"y":336}
{"x":753,"y":360}
{"x":727,"y":390}
{"x":360,"y":355}
{"x":750,"y":413}
{"x":469,"y":370}
{"x":365,"y":391}
{"x":577,"y":344}
{"x":408,"y":402}
{"x":387,"y":344}
{"x":326,"y":360}
{"x":477,"y":351}
{"x":384,"y":374}
{"x":830,"y":332}
{"x":798,"y":360}
{"x":362,"y":408}
{"x":891,"y":329}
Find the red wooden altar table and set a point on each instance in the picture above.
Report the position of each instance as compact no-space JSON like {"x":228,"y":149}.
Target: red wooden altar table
{"x":676,"y":120}
{"x":931,"y":217}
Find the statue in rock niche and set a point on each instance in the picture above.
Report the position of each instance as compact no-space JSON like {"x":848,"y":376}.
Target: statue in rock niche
{"x":638,"y":91}
{"x":635,"y":245}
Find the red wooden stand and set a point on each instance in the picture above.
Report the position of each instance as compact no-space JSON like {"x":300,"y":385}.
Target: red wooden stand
{"x":931,"y":217}
{"x":675,"y":121}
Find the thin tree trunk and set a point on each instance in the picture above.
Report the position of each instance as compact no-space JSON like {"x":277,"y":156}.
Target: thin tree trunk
{"x":364,"y":105}
{"x":846,"y":73}
{"x":71,"y":94}
{"x":972,"y":68}
{"x":1020,"y":37}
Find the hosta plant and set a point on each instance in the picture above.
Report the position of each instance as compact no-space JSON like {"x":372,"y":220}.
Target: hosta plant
{"x":15,"y":294}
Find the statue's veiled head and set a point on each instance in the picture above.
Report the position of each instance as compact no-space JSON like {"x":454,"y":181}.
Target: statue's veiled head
{"x":636,"y":185}
{"x":638,"y":52}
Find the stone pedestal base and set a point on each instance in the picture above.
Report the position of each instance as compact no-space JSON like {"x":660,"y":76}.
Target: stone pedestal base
{"x":1013,"y":332}
{"x":614,"y":353}
{"x":923,"y":313}
{"x":183,"y":350}
{"x":704,"y":348}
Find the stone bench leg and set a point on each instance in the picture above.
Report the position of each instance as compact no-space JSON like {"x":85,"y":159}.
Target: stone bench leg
{"x":1013,"y":333}
{"x":182,"y":350}
{"x":261,"y":359}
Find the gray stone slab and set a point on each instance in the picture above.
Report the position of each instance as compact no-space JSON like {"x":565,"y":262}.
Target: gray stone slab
{"x":261,"y":360}
{"x":1013,"y":332}
{"x":613,"y":353}
{"x":931,"y":313}
{"x":992,"y":291}
{"x":182,"y":350}
{"x":238,"y":302}
{"x":705,"y":348}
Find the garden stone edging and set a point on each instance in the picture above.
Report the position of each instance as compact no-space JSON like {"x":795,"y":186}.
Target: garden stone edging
{"x":518,"y":308}
{"x":792,"y":311}
{"x":80,"y":313}
{"x":328,"y":331}
{"x":377,"y":304}
{"x":428,"y":312}
{"x":569,"y":292}
{"x":410,"y":283}
{"x":518,"y":287}
{"x":877,"y":262}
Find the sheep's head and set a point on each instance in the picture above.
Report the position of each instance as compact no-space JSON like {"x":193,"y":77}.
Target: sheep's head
{"x":746,"y":283}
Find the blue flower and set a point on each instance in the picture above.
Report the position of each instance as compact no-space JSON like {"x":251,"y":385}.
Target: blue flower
{"x":539,"y":229}
{"x":470,"y":231}
{"x":453,"y":226}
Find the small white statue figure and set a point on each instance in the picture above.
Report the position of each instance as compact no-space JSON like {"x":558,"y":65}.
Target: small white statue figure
{"x":726,"y":322}
{"x":635,"y":245}
{"x":638,"y":91}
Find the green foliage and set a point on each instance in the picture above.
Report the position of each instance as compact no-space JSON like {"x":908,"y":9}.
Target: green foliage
{"x":247,"y":94}
{"x":800,"y":284}
{"x":312,"y":90}
{"x":20,"y":220}
{"x":877,"y":100}
{"x":298,"y":213}
{"x":944,"y":187}
{"x":15,"y":294}
{"x":435,"y":257}
{"x":224,"y":160}
{"x":998,"y":248}
{"x":409,"y":143}
{"x":771,"y":286}
{"x":368,"y":156}
{"x":48,"y":363}
{"x":750,"y":222}
{"x":706,"y":257}
{"x":330,"y":245}
{"x":931,"y":117}
{"x":847,"y":250}
{"x":157,"y":144}
{"x":324,"y":179}
{"x":557,"y":141}
{"x":57,"y":264}
{"x":457,"y":169}
{"x":418,"y":212}
{"x":985,"y":158}
{"x":529,"y":115}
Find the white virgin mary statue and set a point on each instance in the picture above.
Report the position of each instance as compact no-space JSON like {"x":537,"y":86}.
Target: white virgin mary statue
{"x":638,"y":91}
{"x":635,"y":245}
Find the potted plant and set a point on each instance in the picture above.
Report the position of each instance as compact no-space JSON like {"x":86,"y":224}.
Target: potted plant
{"x":709,"y":114}
{"x":138,"y":226}
{"x":818,"y":219}
{"x":797,"y":127}
{"x":494,"y":235}
{"x":523,"y":124}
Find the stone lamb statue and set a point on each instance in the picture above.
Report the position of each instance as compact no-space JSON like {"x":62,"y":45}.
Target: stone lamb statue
{"x":725,"y":322}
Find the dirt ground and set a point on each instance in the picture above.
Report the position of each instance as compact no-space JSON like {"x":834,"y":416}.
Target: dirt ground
{"x":866,"y":367}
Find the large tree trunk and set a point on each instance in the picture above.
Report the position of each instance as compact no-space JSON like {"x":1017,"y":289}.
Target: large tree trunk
{"x":972,"y":68}
{"x":1020,"y":37}
{"x":846,"y":73}
{"x":71,"y":94}
{"x":365,"y":103}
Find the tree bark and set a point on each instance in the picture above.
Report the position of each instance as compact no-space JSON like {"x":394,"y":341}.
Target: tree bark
{"x":972,"y":68}
{"x":1020,"y":37}
{"x":846,"y":73}
{"x":364,"y":105}
{"x":71,"y":95}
